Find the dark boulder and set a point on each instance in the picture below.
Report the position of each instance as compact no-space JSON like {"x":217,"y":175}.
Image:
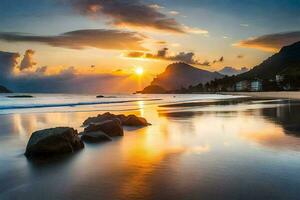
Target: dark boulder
{"x":99,"y":118}
{"x":53,"y":141}
{"x":133,"y":120}
{"x":112,"y":128}
{"x":130,"y":120}
{"x":95,"y":137}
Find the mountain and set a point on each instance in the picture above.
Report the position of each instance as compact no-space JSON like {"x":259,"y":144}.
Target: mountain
{"x":153,"y":89}
{"x":4,"y":89}
{"x":285,"y":62}
{"x":178,"y":75}
{"x":229,"y":71}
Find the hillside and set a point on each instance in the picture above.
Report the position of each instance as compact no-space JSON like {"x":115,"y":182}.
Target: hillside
{"x":230,"y":71}
{"x":4,"y":89}
{"x":178,"y":75}
{"x":285,"y":62}
{"x":153,"y":89}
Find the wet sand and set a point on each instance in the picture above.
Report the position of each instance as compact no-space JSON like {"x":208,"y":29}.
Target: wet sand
{"x":277,"y":95}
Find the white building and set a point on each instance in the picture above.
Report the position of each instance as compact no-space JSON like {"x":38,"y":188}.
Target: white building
{"x":256,"y":86}
{"x":279,"y":78}
{"x":242,"y":86}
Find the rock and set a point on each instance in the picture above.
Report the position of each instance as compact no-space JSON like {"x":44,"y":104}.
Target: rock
{"x":112,"y":128}
{"x":4,"y":89}
{"x":133,"y":120}
{"x":122,"y":118}
{"x":20,"y":96}
{"x":99,"y":118}
{"x":130,"y":120}
{"x":53,"y":141}
{"x":95,"y":137}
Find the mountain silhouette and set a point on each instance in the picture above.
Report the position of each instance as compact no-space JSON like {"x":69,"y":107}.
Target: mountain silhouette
{"x":179,"y":75}
{"x":4,"y":89}
{"x":285,"y":62}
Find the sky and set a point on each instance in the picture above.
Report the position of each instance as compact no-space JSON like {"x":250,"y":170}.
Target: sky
{"x":100,"y":43}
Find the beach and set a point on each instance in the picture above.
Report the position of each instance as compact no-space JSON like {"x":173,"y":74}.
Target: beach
{"x":275,"y":95}
{"x":247,"y":149}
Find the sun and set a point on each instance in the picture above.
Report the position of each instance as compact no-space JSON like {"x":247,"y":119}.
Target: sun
{"x":139,"y":71}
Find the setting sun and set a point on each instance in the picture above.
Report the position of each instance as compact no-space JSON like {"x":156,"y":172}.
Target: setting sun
{"x":139,"y":71}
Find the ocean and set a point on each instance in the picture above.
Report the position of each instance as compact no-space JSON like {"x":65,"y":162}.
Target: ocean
{"x":199,"y":146}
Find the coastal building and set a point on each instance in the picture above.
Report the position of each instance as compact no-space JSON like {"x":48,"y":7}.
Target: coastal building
{"x":242,"y":86}
{"x":256,"y":86}
{"x":279,"y":78}
{"x":230,"y":88}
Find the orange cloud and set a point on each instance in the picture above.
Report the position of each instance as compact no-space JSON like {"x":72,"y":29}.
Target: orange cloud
{"x":162,"y":54}
{"x":133,"y":14}
{"x":79,"y":39}
{"x":28,"y":61}
{"x":271,"y":42}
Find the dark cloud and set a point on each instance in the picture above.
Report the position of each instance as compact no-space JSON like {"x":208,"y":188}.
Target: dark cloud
{"x":187,"y":57}
{"x":271,"y":42}
{"x":135,"y":54}
{"x":129,"y":13}
{"x":8,"y":61}
{"x":97,"y":38}
{"x":27,"y":62}
{"x":41,"y":70}
{"x":162,"y":52}
{"x":220,"y":60}
{"x":240,"y":56}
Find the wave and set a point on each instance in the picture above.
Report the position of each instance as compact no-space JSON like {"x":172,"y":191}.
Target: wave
{"x":70,"y":104}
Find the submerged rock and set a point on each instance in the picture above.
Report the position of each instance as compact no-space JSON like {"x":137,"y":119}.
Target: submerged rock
{"x":112,"y":128}
{"x":130,"y":120}
{"x":53,"y":141}
{"x":95,"y":137}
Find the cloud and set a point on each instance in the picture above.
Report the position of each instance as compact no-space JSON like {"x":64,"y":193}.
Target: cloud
{"x":162,"y":54}
{"x":271,"y":42}
{"x":229,"y":71}
{"x":244,"y":25}
{"x":42,"y":70}
{"x":193,"y":30}
{"x":174,"y":12}
{"x":155,"y":6}
{"x":8,"y":62}
{"x":129,"y":13}
{"x":79,"y":39}
{"x":67,"y":80}
{"x":220,"y":60}
{"x":133,"y":14}
{"x":27,"y":62}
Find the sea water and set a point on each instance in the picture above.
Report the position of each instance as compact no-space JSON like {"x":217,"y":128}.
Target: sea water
{"x":239,"y":150}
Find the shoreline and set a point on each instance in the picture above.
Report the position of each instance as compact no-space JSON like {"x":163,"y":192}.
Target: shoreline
{"x":274,"y":95}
